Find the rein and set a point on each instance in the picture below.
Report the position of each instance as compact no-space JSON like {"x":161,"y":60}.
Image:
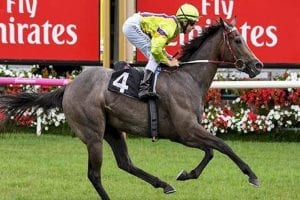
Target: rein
{"x":174,"y":69}
{"x":206,"y":61}
{"x":239,"y":64}
{"x":226,"y":40}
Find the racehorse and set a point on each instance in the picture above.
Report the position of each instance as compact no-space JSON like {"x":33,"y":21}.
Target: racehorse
{"x":95,"y":114}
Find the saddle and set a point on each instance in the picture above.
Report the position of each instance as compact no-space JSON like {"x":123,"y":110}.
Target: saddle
{"x":125,"y":80}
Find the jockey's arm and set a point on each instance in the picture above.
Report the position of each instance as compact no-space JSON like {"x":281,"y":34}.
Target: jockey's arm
{"x":158,"y":51}
{"x":158,"y":44}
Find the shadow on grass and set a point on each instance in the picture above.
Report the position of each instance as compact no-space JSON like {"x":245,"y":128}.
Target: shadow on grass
{"x":278,"y":135}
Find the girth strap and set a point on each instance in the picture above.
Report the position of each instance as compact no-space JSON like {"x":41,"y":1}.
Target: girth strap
{"x":153,"y":118}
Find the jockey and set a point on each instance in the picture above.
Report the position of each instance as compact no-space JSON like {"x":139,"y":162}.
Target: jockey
{"x":151,"y":32}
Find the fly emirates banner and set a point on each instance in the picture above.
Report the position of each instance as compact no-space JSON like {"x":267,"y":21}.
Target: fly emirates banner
{"x":270,"y":28}
{"x":49,"y":30}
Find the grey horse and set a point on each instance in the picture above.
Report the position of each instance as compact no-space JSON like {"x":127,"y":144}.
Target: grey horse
{"x":95,"y":114}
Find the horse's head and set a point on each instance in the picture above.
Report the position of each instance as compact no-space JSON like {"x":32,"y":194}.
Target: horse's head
{"x":235,"y":50}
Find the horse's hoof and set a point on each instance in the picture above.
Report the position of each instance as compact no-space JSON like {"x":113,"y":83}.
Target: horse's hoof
{"x":254,"y":182}
{"x":169,"y":190}
{"x":182,"y":175}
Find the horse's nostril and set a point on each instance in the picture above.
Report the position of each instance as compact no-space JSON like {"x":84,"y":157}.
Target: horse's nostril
{"x":259,"y":66}
{"x":240,"y":65}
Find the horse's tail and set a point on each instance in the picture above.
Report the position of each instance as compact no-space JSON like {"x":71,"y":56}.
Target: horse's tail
{"x":16,"y":105}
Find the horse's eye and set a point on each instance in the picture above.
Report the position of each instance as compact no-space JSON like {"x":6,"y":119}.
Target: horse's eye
{"x":238,"y":41}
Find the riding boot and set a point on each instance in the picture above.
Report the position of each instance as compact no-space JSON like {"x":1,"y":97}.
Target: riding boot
{"x":145,"y":90}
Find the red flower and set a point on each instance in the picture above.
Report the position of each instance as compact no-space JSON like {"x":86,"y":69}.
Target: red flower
{"x":13,"y":89}
{"x":294,"y":97}
{"x":2,"y":116}
{"x":213,"y":96}
{"x":220,"y":122}
{"x":24,"y":120}
{"x":227,"y":111}
{"x":252,"y":116}
{"x":265,"y":97}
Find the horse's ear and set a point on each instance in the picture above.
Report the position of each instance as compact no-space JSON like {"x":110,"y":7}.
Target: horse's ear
{"x":222,"y":22}
{"x":233,"y":21}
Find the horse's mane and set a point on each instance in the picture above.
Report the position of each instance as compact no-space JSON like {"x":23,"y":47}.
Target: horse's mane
{"x":192,"y":46}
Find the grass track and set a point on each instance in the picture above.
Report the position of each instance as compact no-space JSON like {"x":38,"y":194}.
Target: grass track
{"x":54,"y":167}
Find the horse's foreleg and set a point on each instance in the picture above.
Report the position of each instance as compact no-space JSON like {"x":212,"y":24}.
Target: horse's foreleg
{"x":118,"y":144}
{"x":221,"y":146}
{"x":195,"y":173}
{"x":199,"y":137}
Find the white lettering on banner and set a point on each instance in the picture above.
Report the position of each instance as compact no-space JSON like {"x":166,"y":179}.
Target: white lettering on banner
{"x":219,"y":7}
{"x":257,"y":32}
{"x":24,"y":6}
{"x":47,"y":33}
{"x":14,"y":32}
{"x":258,"y":36}
{"x":270,"y":33}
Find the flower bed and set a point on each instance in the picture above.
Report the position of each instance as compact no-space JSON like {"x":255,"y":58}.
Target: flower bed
{"x":254,"y":110}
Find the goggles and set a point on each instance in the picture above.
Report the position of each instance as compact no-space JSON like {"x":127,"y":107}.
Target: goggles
{"x":191,"y":23}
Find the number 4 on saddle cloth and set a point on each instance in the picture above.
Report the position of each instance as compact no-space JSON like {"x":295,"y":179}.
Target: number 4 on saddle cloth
{"x":126,"y":81}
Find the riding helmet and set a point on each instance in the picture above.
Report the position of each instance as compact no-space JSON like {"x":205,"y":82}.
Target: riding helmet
{"x":187,"y":12}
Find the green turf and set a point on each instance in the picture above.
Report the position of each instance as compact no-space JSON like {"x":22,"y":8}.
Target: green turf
{"x":54,"y":167}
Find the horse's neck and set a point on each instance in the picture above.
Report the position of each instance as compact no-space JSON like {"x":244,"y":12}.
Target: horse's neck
{"x":203,"y":73}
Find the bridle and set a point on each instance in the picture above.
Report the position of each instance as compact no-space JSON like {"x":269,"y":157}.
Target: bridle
{"x":238,"y":63}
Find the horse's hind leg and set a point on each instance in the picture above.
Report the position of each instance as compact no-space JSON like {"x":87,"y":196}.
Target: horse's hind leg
{"x":91,"y":133}
{"x":94,"y":148}
{"x":195,"y":173}
{"x":117,"y":142}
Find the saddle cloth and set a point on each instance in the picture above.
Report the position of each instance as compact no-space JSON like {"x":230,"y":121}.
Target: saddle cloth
{"x":126,"y":80}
